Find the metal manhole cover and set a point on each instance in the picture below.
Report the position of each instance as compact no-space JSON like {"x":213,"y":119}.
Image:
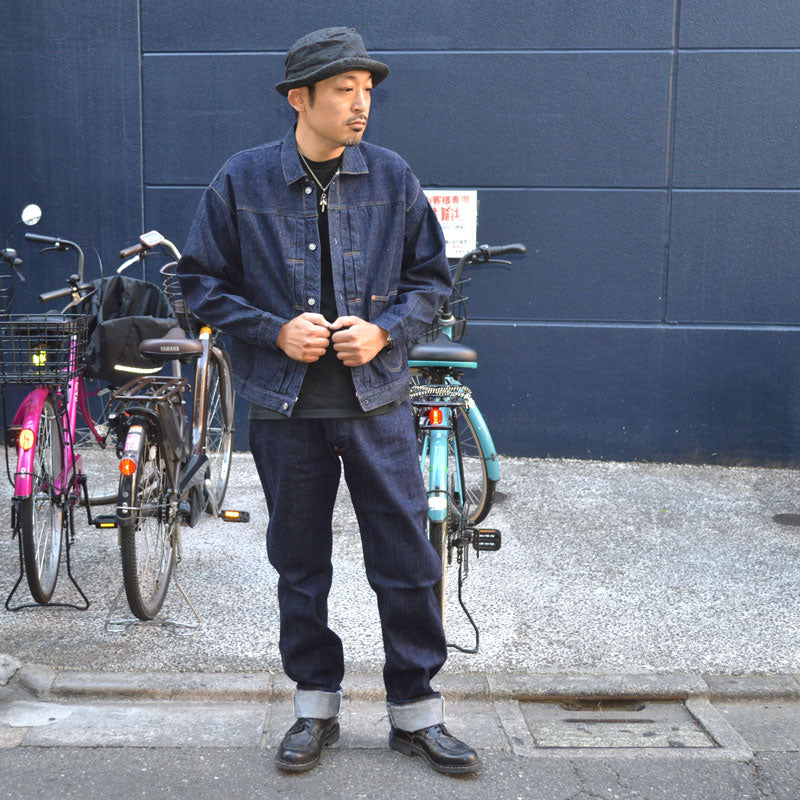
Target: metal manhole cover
{"x":626,"y":724}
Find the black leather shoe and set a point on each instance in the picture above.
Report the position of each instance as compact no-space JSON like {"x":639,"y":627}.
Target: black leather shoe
{"x":302,"y":746}
{"x":442,"y":751}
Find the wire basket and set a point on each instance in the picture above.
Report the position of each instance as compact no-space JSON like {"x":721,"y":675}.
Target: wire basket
{"x":172,"y":288}
{"x":458,"y":308}
{"x":42,"y":348}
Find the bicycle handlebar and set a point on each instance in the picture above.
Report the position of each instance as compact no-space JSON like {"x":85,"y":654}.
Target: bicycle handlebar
{"x":37,"y":237}
{"x":500,"y":250}
{"x":55,"y":294}
{"x":485,"y":253}
{"x":60,"y":244}
{"x":133,"y":250}
{"x":147,"y":241}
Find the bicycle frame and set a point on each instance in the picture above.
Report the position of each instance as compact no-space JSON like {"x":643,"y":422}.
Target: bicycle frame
{"x":439,"y":401}
{"x":192,"y":459}
{"x":60,"y":379}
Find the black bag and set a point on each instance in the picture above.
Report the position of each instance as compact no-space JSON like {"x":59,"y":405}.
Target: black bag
{"x":125,"y":311}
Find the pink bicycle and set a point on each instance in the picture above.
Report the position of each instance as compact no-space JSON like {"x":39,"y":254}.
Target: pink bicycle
{"x":47,"y":351}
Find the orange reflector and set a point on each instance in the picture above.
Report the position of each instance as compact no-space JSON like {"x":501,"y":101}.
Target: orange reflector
{"x":205,"y":332}
{"x":26,"y":439}
{"x":229,"y":515}
{"x":127,"y":466}
{"x":435,"y":416}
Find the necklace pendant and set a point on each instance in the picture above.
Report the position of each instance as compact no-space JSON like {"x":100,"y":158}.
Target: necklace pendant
{"x":323,"y":201}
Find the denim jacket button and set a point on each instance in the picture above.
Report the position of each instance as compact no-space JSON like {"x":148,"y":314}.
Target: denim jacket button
{"x":311,"y":301}
{"x":286,"y":405}
{"x":308,"y":190}
{"x":312,"y":246}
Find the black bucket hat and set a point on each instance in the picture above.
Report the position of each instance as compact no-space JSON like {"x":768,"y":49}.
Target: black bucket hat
{"x":324,"y":53}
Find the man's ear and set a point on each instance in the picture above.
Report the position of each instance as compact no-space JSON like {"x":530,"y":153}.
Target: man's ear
{"x":298,"y":98}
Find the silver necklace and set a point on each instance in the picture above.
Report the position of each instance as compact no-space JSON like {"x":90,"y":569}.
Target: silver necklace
{"x":323,"y":200}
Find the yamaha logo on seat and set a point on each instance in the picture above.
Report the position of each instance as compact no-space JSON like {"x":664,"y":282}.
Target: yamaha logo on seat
{"x":169,"y":348}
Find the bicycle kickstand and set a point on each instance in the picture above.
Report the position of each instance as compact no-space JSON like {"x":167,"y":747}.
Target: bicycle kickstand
{"x":70,"y":538}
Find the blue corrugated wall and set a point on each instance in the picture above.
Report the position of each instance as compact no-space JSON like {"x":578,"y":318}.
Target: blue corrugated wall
{"x":648,"y":153}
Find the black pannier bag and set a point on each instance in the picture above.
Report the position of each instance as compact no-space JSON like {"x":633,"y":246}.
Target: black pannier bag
{"x":124,"y":311}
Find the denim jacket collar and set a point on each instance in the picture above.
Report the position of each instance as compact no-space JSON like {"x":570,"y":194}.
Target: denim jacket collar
{"x":353,"y":162}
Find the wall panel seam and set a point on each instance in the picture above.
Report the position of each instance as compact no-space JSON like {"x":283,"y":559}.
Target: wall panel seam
{"x":754,"y":327}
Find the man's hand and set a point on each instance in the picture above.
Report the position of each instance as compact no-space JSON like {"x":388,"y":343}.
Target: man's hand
{"x":305,"y":338}
{"x":357,"y":341}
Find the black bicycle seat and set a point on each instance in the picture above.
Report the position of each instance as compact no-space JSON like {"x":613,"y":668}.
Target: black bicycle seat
{"x":442,"y":349}
{"x":173,"y":345}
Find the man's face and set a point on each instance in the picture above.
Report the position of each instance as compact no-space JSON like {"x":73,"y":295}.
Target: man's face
{"x":336,"y":115}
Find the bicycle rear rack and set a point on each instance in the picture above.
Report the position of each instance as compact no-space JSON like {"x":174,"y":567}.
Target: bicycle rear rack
{"x":158,"y":388}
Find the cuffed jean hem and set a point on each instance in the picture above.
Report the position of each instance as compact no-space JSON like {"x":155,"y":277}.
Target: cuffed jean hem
{"x":316,"y":704}
{"x":417,"y":715}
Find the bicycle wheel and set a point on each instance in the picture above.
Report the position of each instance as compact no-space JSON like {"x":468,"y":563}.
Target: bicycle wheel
{"x":219,"y":426}
{"x":148,"y":535}
{"x":478,"y":486}
{"x":41,"y":517}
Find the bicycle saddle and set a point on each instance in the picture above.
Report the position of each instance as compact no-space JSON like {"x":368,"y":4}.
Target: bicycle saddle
{"x":173,"y":345}
{"x":442,"y":349}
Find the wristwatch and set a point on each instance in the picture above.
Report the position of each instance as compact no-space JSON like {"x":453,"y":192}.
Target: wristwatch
{"x":389,"y":341}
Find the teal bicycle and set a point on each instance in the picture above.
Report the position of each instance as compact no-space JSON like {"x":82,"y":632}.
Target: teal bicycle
{"x":457,"y":455}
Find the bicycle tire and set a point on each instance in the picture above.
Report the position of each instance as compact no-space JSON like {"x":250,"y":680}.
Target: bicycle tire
{"x":41,"y":518}
{"x":219,"y":426}
{"x":480,"y":487}
{"x":148,"y":535}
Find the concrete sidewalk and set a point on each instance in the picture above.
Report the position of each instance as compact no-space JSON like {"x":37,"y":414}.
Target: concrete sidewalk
{"x":87,"y":734}
{"x":605,"y":568}
{"x":640,"y":637}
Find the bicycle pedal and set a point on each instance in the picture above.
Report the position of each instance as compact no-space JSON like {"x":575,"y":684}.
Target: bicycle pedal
{"x":105,"y":521}
{"x":486,"y":540}
{"x":231,"y":515}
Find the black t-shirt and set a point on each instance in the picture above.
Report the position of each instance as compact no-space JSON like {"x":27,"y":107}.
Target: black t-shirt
{"x":327,"y":389}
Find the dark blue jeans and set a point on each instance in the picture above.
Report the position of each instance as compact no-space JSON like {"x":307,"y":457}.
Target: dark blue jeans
{"x":299,"y":463}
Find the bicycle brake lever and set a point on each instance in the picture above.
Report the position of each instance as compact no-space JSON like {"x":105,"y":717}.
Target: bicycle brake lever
{"x":76,"y":301}
{"x":56,"y":247}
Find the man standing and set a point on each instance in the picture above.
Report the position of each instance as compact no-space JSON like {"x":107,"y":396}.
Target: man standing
{"x":321,"y":257}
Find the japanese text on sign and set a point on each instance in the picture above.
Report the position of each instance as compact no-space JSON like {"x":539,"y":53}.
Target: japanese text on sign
{"x":457,"y":210}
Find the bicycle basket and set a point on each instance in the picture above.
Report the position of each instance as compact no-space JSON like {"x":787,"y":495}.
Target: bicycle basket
{"x":36,"y":348}
{"x":172,"y":288}
{"x":458,"y":309}
{"x":125,"y":311}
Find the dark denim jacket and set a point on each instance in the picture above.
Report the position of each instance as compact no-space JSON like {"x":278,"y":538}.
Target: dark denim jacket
{"x":252,"y":262}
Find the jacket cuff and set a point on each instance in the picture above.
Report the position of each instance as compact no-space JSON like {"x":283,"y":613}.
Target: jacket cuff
{"x":394,"y":327}
{"x":268,"y":329}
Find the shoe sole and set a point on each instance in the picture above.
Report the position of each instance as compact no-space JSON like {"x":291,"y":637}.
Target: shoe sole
{"x":287,"y":766}
{"x":412,"y":750}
